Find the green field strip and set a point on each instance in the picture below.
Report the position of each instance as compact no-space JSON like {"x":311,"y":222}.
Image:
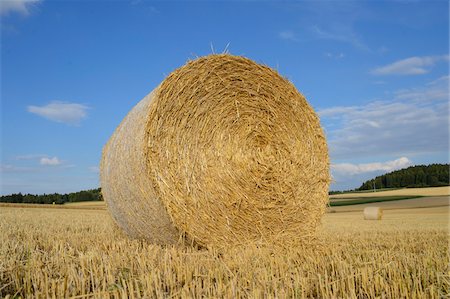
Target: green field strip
{"x":364,"y":200}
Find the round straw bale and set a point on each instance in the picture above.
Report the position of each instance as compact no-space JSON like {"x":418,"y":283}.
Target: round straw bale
{"x":373,"y":213}
{"x":225,"y":151}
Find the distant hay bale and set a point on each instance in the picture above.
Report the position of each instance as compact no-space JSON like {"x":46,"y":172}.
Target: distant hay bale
{"x":373,"y":213}
{"x":225,"y":151}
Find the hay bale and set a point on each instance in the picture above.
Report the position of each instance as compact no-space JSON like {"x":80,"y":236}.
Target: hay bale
{"x":225,"y":151}
{"x":373,"y":213}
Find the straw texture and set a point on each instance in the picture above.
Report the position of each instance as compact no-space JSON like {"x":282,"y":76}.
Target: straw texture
{"x":130,"y":198}
{"x":227,"y":152}
{"x":373,"y":213}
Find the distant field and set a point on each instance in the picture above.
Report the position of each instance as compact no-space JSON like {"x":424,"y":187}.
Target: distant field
{"x":87,"y":205}
{"x":398,"y":198}
{"x":336,"y":202}
{"x":412,"y":203}
{"x":433,"y":191}
{"x":79,"y":252}
{"x":405,"y":219}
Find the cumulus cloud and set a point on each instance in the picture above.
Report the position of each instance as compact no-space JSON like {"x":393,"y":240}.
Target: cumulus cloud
{"x":50,"y":161}
{"x":415,"y":121}
{"x":33,"y":163}
{"x":41,"y":159}
{"x":22,"y":7}
{"x":62,"y":112}
{"x":410,"y":66}
{"x":353,"y":169}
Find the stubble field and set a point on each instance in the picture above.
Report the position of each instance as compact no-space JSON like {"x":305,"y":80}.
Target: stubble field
{"x":79,"y":253}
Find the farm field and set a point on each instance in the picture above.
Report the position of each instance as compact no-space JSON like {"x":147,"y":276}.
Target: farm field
{"x":88,"y":205}
{"x":432,"y":191}
{"x":412,"y":203}
{"x":65,"y":252}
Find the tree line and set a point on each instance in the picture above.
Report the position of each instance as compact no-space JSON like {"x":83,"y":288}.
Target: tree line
{"x":433,"y":175}
{"x":86,"y":195}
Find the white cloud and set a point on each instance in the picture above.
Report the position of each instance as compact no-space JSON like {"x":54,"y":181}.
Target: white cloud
{"x":410,"y":66}
{"x":353,"y":169}
{"x":20,"y":6}
{"x":32,"y":160}
{"x":414,"y":122}
{"x":436,"y":90}
{"x":50,"y":161}
{"x":288,"y":35}
{"x":63,"y":112}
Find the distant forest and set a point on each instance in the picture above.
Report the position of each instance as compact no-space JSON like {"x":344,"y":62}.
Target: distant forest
{"x":87,"y":195}
{"x":433,"y":175}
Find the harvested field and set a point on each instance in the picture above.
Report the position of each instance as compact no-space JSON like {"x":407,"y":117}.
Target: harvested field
{"x":334,"y":202}
{"x":433,"y":191}
{"x":413,"y":203}
{"x":68,"y":252}
{"x":88,"y":205}
{"x":404,"y":220}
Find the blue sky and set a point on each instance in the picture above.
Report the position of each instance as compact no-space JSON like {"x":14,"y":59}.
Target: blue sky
{"x":376,"y":72}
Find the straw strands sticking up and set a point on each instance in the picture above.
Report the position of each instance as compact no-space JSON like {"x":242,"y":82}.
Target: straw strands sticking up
{"x":225,"y":151}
